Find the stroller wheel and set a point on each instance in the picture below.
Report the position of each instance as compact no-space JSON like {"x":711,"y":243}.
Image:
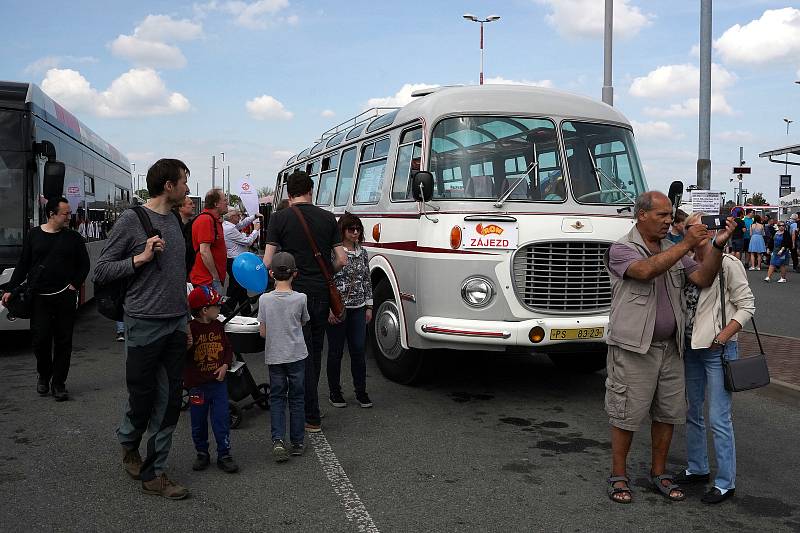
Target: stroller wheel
{"x":263,"y":400}
{"x":184,"y":399}
{"x":235,"y":414}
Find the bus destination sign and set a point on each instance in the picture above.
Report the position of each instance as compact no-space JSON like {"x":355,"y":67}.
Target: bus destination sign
{"x":501,"y":235}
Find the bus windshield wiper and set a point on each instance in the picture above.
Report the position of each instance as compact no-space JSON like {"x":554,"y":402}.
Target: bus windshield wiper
{"x":531,"y":167}
{"x":601,"y":173}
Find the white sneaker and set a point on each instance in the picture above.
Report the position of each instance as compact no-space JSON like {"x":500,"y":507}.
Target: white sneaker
{"x":766,"y":279}
{"x":752,"y":268}
{"x":782,"y":280}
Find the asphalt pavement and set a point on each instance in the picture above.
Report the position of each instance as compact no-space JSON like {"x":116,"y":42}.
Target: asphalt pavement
{"x":488,"y":443}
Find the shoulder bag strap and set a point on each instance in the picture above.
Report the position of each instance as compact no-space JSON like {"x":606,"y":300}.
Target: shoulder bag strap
{"x":317,"y":255}
{"x":147,"y":225}
{"x":722,"y":303}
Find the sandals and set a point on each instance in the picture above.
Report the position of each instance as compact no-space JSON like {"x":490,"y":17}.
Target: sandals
{"x":613,"y":491}
{"x":666,"y":490}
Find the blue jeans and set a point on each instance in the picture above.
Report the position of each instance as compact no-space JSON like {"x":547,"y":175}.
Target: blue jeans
{"x":214,"y":398}
{"x":354,"y":329}
{"x":287,"y":379}
{"x":704,"y":371}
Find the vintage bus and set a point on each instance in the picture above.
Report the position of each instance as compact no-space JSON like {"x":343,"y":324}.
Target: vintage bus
{"x":488,"y":210}
{"x":38,"y":134}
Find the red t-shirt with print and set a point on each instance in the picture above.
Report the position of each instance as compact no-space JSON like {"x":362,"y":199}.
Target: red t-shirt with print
{"x":210,"y":350}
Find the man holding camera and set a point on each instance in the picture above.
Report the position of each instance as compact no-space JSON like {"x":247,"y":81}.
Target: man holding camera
{"x":156,"y":318}
{"x":645,"y":335}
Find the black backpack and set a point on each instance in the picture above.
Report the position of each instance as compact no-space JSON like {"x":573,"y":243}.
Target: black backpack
{"x":191,"y":252}
{"x":110,"y":297}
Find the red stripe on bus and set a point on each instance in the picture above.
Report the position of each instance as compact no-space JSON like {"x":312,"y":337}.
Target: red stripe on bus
{"x":412,"y":246}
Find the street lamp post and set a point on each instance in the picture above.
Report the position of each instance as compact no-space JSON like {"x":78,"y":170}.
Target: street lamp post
{"x":473,"y":18}
{"x":786,"y":165}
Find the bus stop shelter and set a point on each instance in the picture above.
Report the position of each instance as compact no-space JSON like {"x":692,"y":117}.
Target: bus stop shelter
{"x":789,"y":201}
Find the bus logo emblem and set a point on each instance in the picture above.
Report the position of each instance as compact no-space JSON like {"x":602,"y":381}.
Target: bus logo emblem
{"x":488,"y":230}
{"x":577,"y":225}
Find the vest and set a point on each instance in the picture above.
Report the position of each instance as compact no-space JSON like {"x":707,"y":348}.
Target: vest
{"x":633,"y":302}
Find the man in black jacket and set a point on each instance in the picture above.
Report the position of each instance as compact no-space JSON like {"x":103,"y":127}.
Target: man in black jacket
{"x":55,"y":263}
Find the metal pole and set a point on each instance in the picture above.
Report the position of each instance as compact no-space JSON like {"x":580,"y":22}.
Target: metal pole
{"x":786,"y":158}
{"x":213,"y":171}
{"x":704,"y":144}
{"x":481,"y":78}
{"x":229,"y":180}
{"x":608,"y":49}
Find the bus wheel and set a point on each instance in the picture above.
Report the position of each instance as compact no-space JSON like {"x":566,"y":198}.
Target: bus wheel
{"x":395,"y":362}
{"x":585,"y":362}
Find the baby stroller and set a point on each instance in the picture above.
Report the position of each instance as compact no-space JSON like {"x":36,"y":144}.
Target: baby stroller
{"x":242,"y":332}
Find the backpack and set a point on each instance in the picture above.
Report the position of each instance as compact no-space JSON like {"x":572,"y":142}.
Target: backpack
{"x":110,"y":297}
{"x":191,"y":252}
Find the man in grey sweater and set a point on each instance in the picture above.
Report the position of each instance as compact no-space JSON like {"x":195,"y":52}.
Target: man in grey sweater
{"x":156,"y":317}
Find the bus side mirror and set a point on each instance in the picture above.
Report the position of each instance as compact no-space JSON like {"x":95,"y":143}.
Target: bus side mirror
{"x":53,"y":179}
{"x":422,"y":186}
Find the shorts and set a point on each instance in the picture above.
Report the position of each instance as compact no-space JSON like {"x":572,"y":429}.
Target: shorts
{"x":737,"y":245}
{"x":778,"y":260}
{"x":639,"y":385}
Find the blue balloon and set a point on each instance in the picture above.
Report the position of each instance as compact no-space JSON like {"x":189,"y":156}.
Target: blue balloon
{"x":250,"y":271}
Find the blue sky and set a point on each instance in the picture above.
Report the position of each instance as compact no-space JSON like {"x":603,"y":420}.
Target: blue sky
{"x":260,"y":80}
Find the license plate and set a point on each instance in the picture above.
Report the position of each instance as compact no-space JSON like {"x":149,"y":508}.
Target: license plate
{"x":576,"y":334}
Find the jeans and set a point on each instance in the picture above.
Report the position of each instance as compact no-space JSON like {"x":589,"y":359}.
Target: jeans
{"x":354,"y":329}
{"x":153,"y":373}
{"x":314,"y":334}
{"x":287,"y":380}
{"x":704,"y":371}
{"x":52,"y":323}
{"x":213,"y":398}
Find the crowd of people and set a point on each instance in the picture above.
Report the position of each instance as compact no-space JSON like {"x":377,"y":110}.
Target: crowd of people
{"x":672,"y":284}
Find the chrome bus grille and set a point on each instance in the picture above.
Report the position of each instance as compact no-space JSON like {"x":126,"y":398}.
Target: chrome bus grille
{"x":562,"y":277}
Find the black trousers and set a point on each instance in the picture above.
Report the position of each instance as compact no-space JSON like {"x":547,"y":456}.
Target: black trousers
{"x":52,"y":323}
{"x":314,"y":335}
{"x":236,"y":293}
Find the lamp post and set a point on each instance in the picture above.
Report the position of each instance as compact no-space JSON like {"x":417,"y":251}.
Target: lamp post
{"x":786,"y":165}
{"x":473,"y":18}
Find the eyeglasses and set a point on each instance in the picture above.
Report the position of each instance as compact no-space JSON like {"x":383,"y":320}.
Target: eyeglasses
{"x":353,"y":228}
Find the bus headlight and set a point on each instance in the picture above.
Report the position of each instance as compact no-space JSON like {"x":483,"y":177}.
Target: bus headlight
{"x":477,"y":292}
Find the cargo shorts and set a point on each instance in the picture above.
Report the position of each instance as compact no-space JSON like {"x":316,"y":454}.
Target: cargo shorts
{"x":641,"y":384}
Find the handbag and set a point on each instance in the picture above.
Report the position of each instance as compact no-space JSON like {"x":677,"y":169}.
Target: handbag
{"x":335,"y":297}
{"x":747,"y":372}
{"x":20,"y":303}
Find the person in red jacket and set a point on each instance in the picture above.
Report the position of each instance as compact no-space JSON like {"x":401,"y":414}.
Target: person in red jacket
{"x":208,"y":240}
{"x":207,"y":361}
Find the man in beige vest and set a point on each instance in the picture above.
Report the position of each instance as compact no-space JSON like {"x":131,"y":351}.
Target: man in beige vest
{"x":645,"y":335}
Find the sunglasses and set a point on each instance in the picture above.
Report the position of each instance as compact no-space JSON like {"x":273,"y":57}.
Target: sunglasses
{"x":353,"y":228}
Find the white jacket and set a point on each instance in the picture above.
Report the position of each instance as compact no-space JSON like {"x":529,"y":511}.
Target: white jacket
{"x":739,"y":305}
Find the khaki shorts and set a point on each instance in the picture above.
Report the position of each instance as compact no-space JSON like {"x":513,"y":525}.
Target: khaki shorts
{"x":642,"y":384}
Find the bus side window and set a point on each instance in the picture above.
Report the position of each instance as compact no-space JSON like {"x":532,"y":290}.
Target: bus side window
{"x":370,"y":172}
{"x":344,"y":185}
{"x":327,"y":179}
{"x":409,"y":155}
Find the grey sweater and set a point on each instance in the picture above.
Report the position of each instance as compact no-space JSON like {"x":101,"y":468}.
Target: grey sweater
{"x":159,"y":289}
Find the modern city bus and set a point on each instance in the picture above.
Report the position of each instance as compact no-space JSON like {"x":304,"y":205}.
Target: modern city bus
{"x":35,"y":131}
{"x":488,"y":210}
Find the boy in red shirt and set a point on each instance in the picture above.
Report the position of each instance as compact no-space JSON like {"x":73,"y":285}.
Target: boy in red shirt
{"x":207,"y":361}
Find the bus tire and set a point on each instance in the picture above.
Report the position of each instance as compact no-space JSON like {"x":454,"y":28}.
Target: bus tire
{"x":585,"y":362}
{"x":395,"y":362}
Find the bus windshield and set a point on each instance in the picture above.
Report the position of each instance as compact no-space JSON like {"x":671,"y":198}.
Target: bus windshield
{"x":603,"y":164}
{"x":483,"y":157}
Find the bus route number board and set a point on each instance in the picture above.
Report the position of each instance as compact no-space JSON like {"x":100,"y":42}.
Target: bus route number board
{"x":499,"y":235}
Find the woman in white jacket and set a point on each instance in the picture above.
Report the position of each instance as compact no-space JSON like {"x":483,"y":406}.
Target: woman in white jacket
{"x":706,"y":339}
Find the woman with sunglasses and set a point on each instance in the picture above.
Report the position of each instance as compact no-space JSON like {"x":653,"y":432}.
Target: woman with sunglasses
{"x":354,"y":284}
{"x":780,"y":252}
{"x":706,"y":338}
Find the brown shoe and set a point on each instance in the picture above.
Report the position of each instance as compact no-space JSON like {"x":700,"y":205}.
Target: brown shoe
{"x":131,"y":462}
{"x":162,"y":486}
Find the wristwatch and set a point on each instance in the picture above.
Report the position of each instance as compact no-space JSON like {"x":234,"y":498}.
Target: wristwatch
{"x":717,"y":342}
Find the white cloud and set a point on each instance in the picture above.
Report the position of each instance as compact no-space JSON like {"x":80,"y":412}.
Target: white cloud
{"x":282,"y":155}
{"x":585,"y":18}
{"x":327,"y":113}
{"x":148,"y":46}
{"x":655,"y":130}
{"x":773,"y":38}
{"x":400,"y":98}
{"x":266,"y":107}
{"x":683,"y":81}
{"x":252,"y":15}
{"x":137,"y":92}
{"x":498,"y":80}
{"x":44,"y":64}
{"x":734,"y":136}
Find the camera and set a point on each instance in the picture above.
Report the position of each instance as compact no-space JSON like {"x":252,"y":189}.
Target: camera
{"x":713,"y":222}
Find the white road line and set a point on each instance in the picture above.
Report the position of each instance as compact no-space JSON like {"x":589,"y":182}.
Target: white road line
{"x":354,"y":509}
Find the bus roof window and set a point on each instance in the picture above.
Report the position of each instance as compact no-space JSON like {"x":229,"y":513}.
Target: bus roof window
{"x":355,"y":132}
{"x":318,"y":147}
{"x":336,"y":139}
{"x":382,"y":121}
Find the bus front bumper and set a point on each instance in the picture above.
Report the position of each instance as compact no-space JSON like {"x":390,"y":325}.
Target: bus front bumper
{"x":551,"y":330}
